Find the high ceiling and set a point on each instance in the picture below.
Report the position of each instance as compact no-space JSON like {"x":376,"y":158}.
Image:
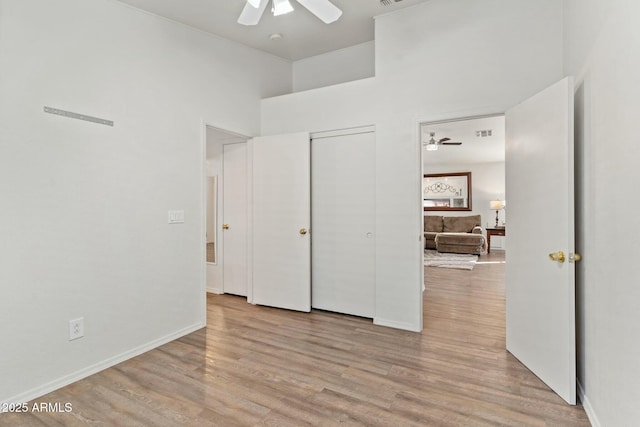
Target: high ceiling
{"x":474,"y":149}
{"x":303,"y":35}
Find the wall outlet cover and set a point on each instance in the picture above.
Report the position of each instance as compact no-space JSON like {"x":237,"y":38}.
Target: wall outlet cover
{"x":76,"y":328}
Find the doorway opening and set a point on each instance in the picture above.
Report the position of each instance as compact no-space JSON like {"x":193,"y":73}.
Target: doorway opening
{"x":225,"y":198}
{"x":463,"y":176}
{"x":463,"y":179}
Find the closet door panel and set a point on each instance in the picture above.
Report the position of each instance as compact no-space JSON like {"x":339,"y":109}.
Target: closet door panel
{"x":281,"y":258}
{"x":343,"y":223}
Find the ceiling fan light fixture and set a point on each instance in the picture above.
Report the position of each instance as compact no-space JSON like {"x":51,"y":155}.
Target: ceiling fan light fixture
{"x":431,"y":146}
{"x":326,"y":11}
{"x":281,"y":7}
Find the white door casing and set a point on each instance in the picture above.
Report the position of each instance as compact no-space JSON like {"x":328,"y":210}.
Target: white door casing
{"x":343,"y":222}
{"x":281,"y":216}
{"x":235,"y":208}
{"x":540,"y":293}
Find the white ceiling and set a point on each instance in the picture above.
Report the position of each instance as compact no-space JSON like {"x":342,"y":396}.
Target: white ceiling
{"x":304,"y":35}
{"x":473,"y":149}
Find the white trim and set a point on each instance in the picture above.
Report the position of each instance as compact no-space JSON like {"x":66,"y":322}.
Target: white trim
{"x":203,"y":216}
{"x":397,"y":325}
{"x":216,"y":291}
{"x":249,"y":143}
{"x":586,"y":404}
{"x":39,"y":391}
{"x":417,"y":144}
{"x":342,"y":132}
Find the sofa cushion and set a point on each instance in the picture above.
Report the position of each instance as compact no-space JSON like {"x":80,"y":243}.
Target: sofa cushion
{"x":460,"y":224}
{"x":464,"y":243}
{"x":433,"y":223}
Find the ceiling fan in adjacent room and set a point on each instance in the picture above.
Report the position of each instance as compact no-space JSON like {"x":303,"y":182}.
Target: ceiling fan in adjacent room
{"x":432,"y":144}
{"x":253,"y":10}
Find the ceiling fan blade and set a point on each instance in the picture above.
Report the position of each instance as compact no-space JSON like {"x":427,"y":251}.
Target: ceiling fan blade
{"x":451,"y":143}
{"x":323,"y":9}
{"x":444,"y":139}
{"x":251,"y":15}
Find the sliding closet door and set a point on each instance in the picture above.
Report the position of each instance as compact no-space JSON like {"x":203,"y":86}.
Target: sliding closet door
{"x":343,"y":222}
{"x":281,"y":258}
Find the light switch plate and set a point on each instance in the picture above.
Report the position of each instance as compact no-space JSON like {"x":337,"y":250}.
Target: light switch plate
{"x":176,"y":217}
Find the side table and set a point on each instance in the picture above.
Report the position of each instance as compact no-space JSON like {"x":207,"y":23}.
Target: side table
{"x":500,"y":231}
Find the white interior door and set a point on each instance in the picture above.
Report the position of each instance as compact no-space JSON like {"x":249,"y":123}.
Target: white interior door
{"x":281,"y":255}
{"x":540,"y":293}
{"x":343,"y":222}
{"x":234,"y":227}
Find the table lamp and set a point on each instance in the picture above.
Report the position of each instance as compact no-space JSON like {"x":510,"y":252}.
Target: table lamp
{"x":496,"y":205}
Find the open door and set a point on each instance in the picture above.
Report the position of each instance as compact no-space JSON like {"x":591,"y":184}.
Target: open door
{"x":540,"y":270}
{"x":281,"y":255}
{"x":234,"y":217}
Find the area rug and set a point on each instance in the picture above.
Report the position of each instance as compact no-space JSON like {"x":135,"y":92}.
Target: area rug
{"x":446,"y":260}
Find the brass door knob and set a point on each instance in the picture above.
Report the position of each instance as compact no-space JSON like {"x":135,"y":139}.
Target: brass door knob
{"x":303,"y":231}
{"x":557,"y":256}
{"x":574,"y":257}
{"x":225,"y":226}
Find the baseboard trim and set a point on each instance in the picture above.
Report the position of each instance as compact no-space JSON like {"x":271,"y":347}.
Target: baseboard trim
{"x":39,"y":391}
{"x":586,"y":404}
{"x":397,"y":325}
{"x":215,"y":291}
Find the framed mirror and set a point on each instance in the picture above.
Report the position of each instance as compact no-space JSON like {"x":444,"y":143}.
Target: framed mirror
{"x":212,"y":212}
{"x":447,"y":191}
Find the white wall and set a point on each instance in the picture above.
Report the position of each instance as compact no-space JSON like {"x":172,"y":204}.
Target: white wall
{"x":340,"y":66}
{"x":84,"y":206}
{"x":334,"y":107}
{"x":602,"y":44}
{"x":434,"y":61}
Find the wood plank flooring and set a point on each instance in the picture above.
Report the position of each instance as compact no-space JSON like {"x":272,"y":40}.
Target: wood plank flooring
{"x":261,"y":366}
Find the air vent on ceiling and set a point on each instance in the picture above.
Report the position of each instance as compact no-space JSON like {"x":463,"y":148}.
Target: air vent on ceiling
{"x":389,"y":2}
{"x":484,"y":133}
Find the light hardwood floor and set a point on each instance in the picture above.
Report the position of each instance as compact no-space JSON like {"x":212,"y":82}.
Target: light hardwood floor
{"x":261,"y":366}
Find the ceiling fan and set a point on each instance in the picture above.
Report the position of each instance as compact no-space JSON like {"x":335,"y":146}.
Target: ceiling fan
{"x":432,"y":144}
{"x":253,"y":10}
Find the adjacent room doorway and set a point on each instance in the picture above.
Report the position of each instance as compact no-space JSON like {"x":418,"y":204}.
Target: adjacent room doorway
{"x":226,"y":211}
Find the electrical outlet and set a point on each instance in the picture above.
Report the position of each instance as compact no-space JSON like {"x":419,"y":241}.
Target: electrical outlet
{"x":76,"y":328}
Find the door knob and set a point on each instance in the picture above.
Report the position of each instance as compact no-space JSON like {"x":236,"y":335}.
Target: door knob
{"x":303,"y":231}
{"x":557,"y":256}
{"x":225,"y":226}
{"x":574,"y":257}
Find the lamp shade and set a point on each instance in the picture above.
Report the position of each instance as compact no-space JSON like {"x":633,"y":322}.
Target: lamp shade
{"x":496,"y":205}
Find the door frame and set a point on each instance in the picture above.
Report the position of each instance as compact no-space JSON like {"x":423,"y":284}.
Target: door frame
{"x":204,"y":124}
{"x":453,"y":116}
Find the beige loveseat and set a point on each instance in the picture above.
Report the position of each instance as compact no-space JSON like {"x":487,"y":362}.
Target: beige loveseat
{"x":458,"y":234}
